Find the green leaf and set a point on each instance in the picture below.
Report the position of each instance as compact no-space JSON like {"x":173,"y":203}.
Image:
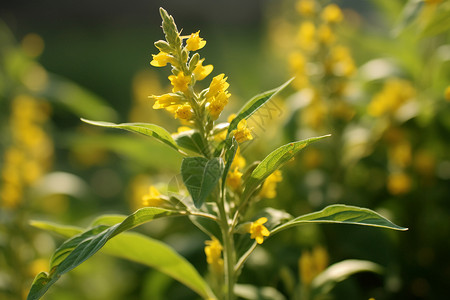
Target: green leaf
{"x":141,"y":249}
{"x":79,"y":248}
{"x":143,"y":128}
{"x":253,"y":105}
{"x":342,"y":214}
{"x":64,"y":230}
{"x":326,"y":280}
{"x":153,"y":253}
{"x":191,"y":140}
{"x":274,"y":161}
{"x":439,"y":23}
{"x":200,"y":176}
{"x":251,"y":292}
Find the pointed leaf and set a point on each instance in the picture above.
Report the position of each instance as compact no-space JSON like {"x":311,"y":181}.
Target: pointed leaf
{"x":143,"y":128}
{"x":343,"y":214}
{"x":191,"y":140}
{"x":274,"y":161}
{"x":64,"y":230}
{"x":340,"y":271}
{"x":253,"y":105}
{"x":200,"y":175}
{"x":153,"y":253}
{"x":81,"y":247}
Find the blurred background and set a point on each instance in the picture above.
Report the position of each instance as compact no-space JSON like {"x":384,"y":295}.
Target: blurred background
{"x":373,"y":73}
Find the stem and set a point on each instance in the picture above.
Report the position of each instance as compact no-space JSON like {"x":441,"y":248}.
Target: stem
{"x":228,"y":250}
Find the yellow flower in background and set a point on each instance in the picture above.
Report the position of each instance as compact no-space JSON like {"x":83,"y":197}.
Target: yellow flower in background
{"x":200,"y":72}
{"x":234,"y":179}
{"x":400,"y":153}
{"x":152,"y":198}
{"x":447,"y":93}
{"x":306,"y":8}
{"x":340,"y":62}
{"x":242,"y":133}
{"x":399,"y":183}
{"x":312,"y":263}
{"x":306,"y":36}
{"x":395,"y":93}
{"x":238,"y":161}
{"x":195,"y":42}
{"x":258,"y":231}
{"x":180,"y":82}
{"x":161,"y":59}
{"x":269,"y":187}
{"x":213,"y":251}
{"x":184,"y":112}
{"x":325,"y":34}
{"x":332,"y":14}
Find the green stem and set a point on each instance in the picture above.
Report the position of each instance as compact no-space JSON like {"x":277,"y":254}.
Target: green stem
{"x":228,"y":250}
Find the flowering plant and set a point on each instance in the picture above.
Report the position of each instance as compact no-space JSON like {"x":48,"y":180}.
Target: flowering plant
{"x":223,"y":192}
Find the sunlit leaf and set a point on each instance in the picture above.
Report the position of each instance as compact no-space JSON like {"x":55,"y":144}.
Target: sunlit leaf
{"x":340,"y":271}
{"x":143,"y":128}
{"x":253,"y":105}
{"x":64,"y":230}
{"x":81,"y":247}
{"x":274,"y":161}
{"x":200,"y":176}
{"x":341,"y":214}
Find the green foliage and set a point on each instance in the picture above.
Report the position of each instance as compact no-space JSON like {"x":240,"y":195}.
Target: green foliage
{"x":200,"y":176}
{"x":343,"y":214}
{"x":274,"y":161}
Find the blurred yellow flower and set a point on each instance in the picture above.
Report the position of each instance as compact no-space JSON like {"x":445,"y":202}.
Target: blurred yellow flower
{"x":195,"y":42}
{"x":161,"y":59}
{"x":306,"y":8}
{"x":394,"y":94}
{"x":200,"y":72}
{"x":447,"y":93}
{"x":242,"y":133}
{"x":258,"y":231}
{"x":306,"y":36}
{"x":269,"y":186}
{"x":400,"y":153}
{"x":238,"y":161}
{"x":152,"y":198}
{"x":234,"y":179}
{"x":213,"y":251}
{"x":180,"y":82}
{"x":332,"y":14}
{"x":326,"y":35}
{"x":399,"y":183}
{"x":312,"y":264}
{"x":340,"y":62}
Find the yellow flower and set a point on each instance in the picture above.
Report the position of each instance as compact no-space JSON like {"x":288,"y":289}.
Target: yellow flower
{"x":447,"y":93}
{"x":307,"y":36}
{"x":258,"y":231}
{"x":200,"y":72}
{"x":213,"y":251}
{"x":399,"y":183}
{"x":184,"y":112}
{"x":306,"y":7}
{"x":180,"y":82}
{"x":242,"y":133}
{"x":218,"y":103}
{"x":161,"y":59}
{"x":165,"y":100}
{"x":395,"y":93}
{"x":153,"y":198}
{"x":340,"y":62}
{"x":312,"y":264}
{"x":195,"y":42}
{"x":218,"y":84}
{"x":325,"y":34}
{"x":332,"y":14}
{"x":269,"y":186}
{"x":400,"y":153}
{"x":234,"y":179}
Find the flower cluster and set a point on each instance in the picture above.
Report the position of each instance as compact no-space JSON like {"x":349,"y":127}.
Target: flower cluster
{"x":213,"y":251}
{"x":30,"y":153}
{"x":184,"y":102}
{"x":321,"y":63}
